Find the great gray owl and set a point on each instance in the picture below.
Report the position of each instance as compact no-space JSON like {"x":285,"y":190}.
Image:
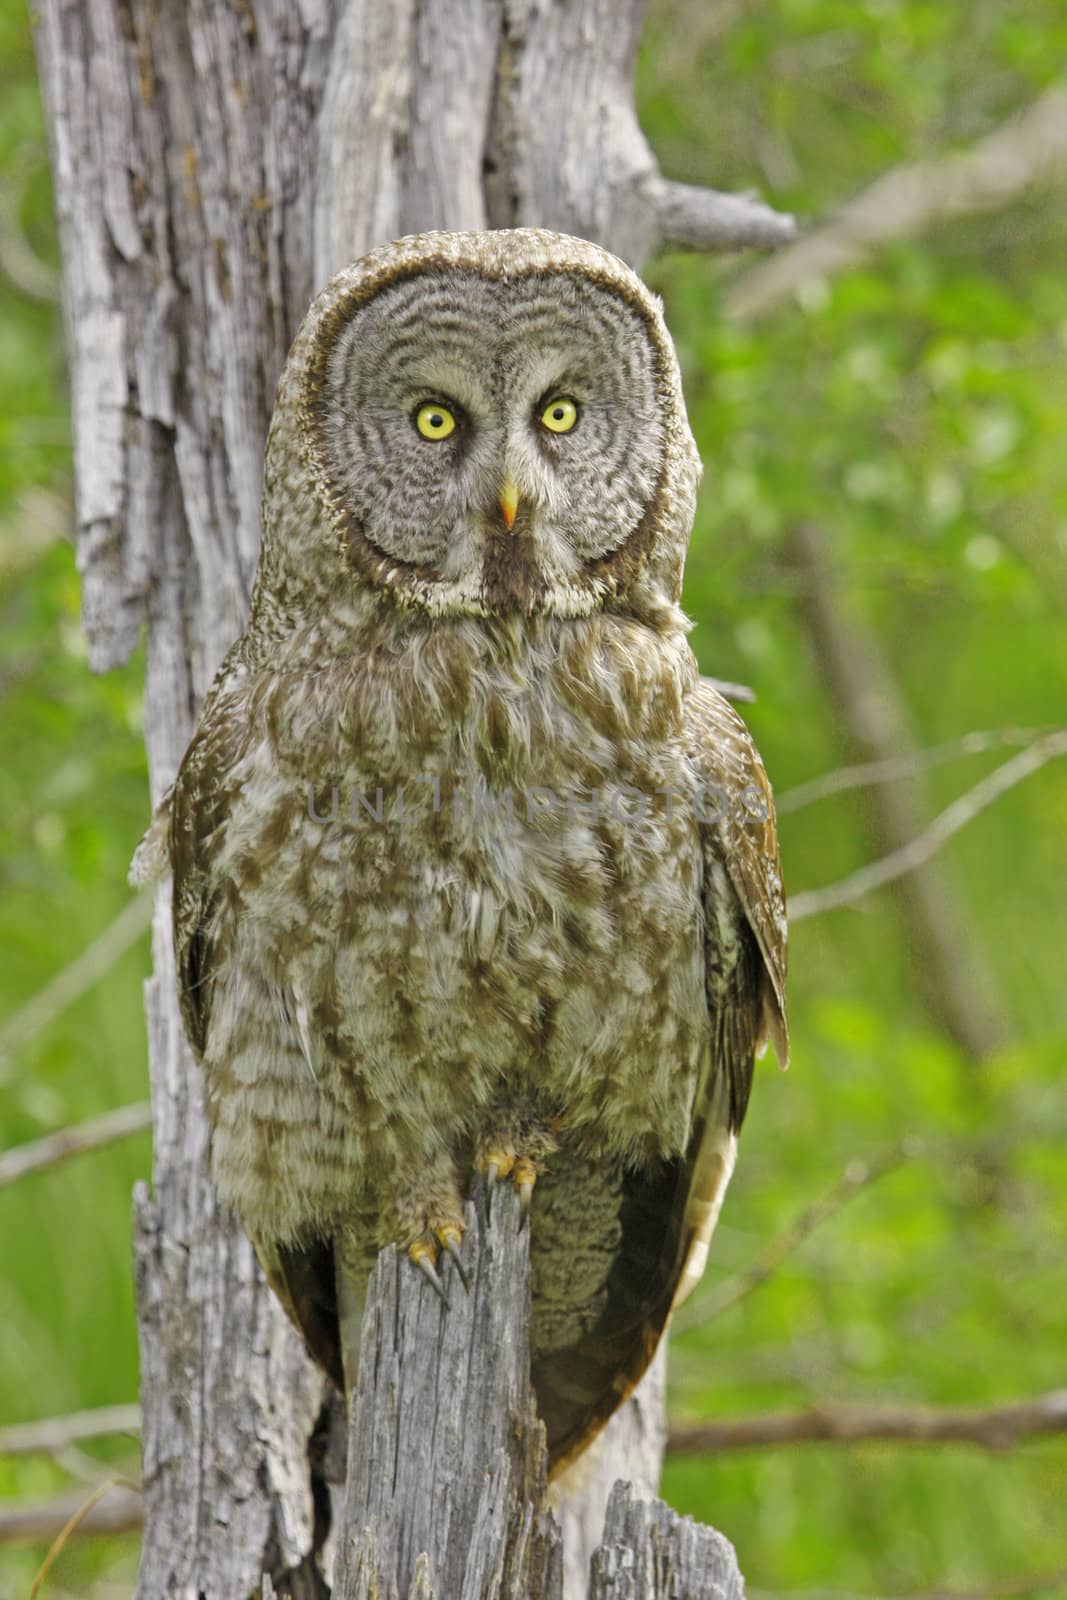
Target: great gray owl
{"x":471,"y":869}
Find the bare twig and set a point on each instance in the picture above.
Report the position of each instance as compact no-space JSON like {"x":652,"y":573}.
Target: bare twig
{"x":864,"y":774}
{"x":56,"y":1433}
{"x":1026,"y":150}
{"x":690,"y":217}
{"x":996,"y":1428}
{"x":65,"y":1142}
{"x":121,"y":1511}
{"x":83,"y":972}
{"x":856,"y":1176}
{"x":18,"y":259}
{"x":950,"y":966}
{"x":73,"y":1523}
{"x":81,"y":1466}
{"x":927,"y":843}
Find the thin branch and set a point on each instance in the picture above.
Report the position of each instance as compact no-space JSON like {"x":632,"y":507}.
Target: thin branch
{"x":856,"y":1176}
{"x":1026,"y":150}
{"x":927,"y":843}
{"x":864,"y":774}
{"x":82,"y":974}
{"x":690,"y":217}
{"x":18,"y":260}
{"x":56,"y":1433}
{"x":81,"y":1466}
{"x":996,"y":1428}
{"x":70,"y":1528}
{"x":120,"y":1511}
{"x":950,"y":966}
{"x":38,"y":1154}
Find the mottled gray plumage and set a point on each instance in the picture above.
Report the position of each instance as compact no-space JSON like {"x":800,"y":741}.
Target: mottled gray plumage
{"x":386,"y":991}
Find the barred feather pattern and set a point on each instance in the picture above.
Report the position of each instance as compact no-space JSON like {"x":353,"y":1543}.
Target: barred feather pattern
{"x":462,"y":838}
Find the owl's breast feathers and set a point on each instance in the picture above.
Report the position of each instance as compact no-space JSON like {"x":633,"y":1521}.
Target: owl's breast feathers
{"x":364,"y":986}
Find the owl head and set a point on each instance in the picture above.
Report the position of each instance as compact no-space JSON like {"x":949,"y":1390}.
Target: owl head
{"x":476,"y":423}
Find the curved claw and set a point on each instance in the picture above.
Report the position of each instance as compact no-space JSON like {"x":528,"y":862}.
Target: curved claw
{"x":450,"y":1240}
{"x":423,"y":1259}
{"x":496,"y":1162}
{"x":524,"y":1176}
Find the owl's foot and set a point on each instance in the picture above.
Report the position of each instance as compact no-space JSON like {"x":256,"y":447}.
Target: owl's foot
{"x":424,"y":1215}
{"x":517,"y":1146}
{"x":423,"y":1253}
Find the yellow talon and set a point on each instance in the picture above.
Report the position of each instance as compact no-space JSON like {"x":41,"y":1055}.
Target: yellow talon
{"x":424,"y":1257}
{"x":524,"y":1176}
{"x":497,"y":1164}
{"x":450,"y":1237}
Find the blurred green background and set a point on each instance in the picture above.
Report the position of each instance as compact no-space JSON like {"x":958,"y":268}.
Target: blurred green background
{"x":911,"y":409}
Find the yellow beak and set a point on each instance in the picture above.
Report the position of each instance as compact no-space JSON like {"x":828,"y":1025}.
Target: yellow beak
{"x":509,"y":502}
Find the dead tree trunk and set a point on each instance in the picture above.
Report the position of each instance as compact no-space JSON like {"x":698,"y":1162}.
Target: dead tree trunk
{"x":445,"y":1496}
{"x":446,"y":1457}
{"x":213,"y":164}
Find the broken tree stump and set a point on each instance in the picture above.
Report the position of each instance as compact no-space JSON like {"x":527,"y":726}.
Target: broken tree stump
{"x":446,"y":1494}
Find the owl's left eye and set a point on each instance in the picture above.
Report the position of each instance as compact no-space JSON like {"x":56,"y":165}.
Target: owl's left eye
{"x":560,"y":414}
{"x":435,"y":421}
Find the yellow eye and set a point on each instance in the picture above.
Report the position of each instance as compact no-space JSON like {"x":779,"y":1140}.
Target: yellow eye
{"x":560,"y":414}
{"x":434,"y":421}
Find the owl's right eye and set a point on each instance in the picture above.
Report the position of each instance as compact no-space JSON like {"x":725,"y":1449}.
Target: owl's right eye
{"x":434,"y":421}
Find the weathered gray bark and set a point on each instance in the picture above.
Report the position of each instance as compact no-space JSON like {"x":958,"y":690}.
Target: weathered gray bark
{"x":445,"y":1496}
{"x":631,"y":1447}
{"x":213,"y":164}
{"x":446,"y":1455}
{"x":649,"y":1552}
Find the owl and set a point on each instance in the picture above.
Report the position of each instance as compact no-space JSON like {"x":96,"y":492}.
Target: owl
{"x":472,"y":871}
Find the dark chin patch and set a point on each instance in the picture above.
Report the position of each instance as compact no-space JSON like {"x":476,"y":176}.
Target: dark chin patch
{"x":511,"y":577}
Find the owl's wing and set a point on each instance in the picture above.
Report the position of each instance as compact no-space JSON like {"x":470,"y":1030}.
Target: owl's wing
{"x":745,"y":948}
{"x":666,"y":1216}
{"x":200,"y":804}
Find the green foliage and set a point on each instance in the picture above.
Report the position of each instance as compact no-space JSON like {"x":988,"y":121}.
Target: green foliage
{"x":913,"y":408}
{"x":73,"y":793}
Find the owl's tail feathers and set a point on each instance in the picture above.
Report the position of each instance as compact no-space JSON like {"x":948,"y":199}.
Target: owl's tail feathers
{"x":666,"y":1218}
{"x":580,"y":1386}
{"x":151,"y":859}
